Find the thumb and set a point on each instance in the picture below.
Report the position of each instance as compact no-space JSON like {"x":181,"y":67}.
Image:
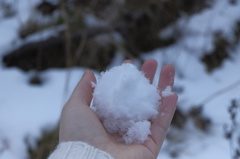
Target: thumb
{"x":83,"y":91}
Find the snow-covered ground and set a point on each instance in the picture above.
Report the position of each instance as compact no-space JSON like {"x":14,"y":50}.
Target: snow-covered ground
{"x":26,"y":109}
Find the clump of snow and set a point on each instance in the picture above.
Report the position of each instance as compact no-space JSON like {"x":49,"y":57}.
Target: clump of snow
{"x":138,"y":132}
{"x":167,"y":91}
{"x":125,"y":101}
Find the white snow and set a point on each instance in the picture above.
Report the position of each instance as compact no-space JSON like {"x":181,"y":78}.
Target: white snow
{"x":125,"y":100}
{"x":167,"y":91}
{"x":138,"y":132}
{"x":25,"y":110}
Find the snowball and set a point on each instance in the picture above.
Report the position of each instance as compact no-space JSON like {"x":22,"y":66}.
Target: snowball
{"x":125,"y":101}
{"x":167,"y":92}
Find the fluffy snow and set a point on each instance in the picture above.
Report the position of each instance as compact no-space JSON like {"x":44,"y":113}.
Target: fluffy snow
{"x":167,"y":91}
{"x":138,"y":132}
{"x":125,"y":101}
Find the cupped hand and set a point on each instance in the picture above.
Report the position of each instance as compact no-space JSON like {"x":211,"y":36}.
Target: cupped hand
{"x":80,"y":123}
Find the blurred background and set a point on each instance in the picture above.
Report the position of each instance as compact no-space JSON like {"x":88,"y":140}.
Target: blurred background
{"x":45,"y":46}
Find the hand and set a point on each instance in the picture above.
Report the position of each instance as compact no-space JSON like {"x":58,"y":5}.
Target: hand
{"x":80,"y":123}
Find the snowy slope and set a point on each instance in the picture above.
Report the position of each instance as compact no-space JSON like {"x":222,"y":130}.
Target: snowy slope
{"x":25,"y":109}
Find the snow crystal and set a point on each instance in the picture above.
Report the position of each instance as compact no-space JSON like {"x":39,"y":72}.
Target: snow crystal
{"x":167,"y":91}
{"x":125,"y":101}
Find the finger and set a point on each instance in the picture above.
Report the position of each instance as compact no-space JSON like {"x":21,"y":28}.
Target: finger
{"x":167,"y":108}
{"x":163,"y":120}
{"x":149,"y":68}
{"x":166,"y":77}
{"x":83,"y":91}
{"x":128,"y":61}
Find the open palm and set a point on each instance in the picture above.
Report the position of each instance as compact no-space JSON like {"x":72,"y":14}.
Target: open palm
{"x":80,"y":123}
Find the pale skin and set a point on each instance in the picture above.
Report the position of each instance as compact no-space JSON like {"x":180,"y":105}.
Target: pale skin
{"x":80,"y":123}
